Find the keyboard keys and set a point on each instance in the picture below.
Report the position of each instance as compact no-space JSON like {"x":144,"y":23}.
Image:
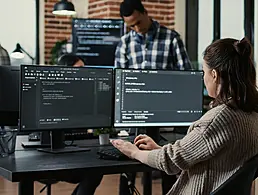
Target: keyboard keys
{"x":112,"y":154}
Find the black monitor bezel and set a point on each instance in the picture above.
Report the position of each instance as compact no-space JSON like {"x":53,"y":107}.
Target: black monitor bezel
{"x":63,"y":129}
{"x":158,"y":126}
{"x":103,"y":19}
{"x":10,"y":117}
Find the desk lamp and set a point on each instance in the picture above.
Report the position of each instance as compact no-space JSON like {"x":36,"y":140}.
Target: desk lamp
{"x":64,"y":8}
{"x":18,"y":53}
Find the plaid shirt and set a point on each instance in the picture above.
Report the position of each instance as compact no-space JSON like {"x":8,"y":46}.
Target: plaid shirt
{"x":4,"y":57}
{"x":160,"y":48}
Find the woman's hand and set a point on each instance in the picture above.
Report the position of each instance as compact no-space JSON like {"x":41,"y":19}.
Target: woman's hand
{"x":126,"y":147}
{"x":145,"y":142}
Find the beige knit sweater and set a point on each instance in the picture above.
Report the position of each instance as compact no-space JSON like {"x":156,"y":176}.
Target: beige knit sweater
{"x":215,"y":147}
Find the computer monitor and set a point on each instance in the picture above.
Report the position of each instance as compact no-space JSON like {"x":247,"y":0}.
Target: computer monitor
{"x":57,"y":98}
{"x":157,"y":98}
{"x":95,"y":40}
{"x":9,"y":95}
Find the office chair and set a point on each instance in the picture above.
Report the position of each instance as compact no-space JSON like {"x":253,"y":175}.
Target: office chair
{"x":240,"y":183}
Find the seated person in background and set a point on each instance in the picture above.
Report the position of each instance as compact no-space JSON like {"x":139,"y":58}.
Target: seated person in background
{"x":4,"y":57}
{"x":224,"y":138}
{"x":70,"y":60}
{"x":87,"y":184}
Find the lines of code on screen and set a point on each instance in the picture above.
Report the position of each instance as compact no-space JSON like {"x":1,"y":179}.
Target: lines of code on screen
{"x":157,"y":97}
{"x":95,"y":40}
{"x":54,"y":97}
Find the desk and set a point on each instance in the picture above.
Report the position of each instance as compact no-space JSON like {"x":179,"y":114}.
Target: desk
{"x":27,"y":166}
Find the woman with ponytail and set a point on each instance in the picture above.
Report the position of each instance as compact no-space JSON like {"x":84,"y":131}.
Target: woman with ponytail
{"x":224,"y":138}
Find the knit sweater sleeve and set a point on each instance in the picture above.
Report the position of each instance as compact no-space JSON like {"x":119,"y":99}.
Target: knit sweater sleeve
{"x":200,"y":144}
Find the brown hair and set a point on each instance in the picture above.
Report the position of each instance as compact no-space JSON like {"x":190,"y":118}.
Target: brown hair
{"x":69,"y":59}
{"x":232,"y":59}
{"x":127,"y":7}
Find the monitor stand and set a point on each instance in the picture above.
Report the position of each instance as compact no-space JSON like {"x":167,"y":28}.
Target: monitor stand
{"x":58,"y":146}
{"x":43,"y":143}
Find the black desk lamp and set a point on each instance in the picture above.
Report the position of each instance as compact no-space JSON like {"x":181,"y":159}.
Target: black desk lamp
{"x":64,"y":8}
{"x":18,"y":53}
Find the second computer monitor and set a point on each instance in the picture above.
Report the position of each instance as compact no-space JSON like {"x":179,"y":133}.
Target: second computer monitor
{"x":9,"y":95}
{"x":61,"y":98}
{"x":157,"y":98}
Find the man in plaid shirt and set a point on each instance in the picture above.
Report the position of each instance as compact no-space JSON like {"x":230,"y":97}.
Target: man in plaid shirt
{"x":148,"y":46}
{"x":4,"y":57}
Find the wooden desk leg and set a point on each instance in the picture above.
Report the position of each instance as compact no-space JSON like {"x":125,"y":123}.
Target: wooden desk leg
{"x":26,"y":187}
{"x":147,"y":183}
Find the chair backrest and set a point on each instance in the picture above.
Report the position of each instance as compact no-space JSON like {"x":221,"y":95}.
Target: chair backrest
{"x":240,"y":183}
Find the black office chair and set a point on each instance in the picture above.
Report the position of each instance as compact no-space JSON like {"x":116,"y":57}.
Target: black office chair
{"x":240,"y":183}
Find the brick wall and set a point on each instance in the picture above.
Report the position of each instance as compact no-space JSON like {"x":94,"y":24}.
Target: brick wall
{"x":58,"y":28}
{"x":161,"y":10}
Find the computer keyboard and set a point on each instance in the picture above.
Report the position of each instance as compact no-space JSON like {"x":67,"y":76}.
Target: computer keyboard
{"x":112,"y":154}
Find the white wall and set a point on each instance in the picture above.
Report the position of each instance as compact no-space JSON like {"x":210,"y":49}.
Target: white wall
{"x":232,"y":19}
{"x":205,"y":27}
{"x":232,"y":22}
{"x":18,"y":25}
{"x":81,"y":8}
{"x":180,"y":18}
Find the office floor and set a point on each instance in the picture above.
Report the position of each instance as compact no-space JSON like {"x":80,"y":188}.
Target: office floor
{"x":108,"y":186}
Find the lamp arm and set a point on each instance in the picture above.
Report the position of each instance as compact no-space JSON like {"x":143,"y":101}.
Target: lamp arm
{"x":28,"y":54}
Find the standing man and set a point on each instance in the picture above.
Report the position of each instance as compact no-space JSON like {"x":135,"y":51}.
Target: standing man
{"x":148,"y":45}
{"x":4,"y":57}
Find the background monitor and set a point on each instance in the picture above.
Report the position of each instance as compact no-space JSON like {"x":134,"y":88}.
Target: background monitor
{"x":57,"y":98}
{"x":95,"y":40}
{"x":9,"y":95}
{"x":157,"y":98}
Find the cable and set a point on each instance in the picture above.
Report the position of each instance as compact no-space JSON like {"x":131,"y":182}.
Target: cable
{"x":131,"y":185}
{"x":137,"y":192}
{"x":43,"y":188}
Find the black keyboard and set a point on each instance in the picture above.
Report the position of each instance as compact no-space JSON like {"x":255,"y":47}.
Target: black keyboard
{"x":112,"y":154}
